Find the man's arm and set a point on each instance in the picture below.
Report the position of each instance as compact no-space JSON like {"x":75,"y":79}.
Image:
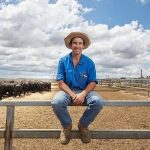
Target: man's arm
{"x":64,"y":87}
{"x":90,"y":87}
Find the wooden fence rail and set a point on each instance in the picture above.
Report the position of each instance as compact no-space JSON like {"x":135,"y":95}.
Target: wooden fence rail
{"x":9,"y":132}
{"x":131,"y":85}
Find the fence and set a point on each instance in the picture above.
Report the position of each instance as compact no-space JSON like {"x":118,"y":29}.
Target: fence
{"x":131,"y":85}
{"x":9,"y":132}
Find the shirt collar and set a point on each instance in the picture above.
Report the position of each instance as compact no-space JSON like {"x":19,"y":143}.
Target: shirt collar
{"x":81,"y":58}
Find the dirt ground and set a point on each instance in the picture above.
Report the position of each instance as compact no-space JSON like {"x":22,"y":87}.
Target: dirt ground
{"x":109,"y":118}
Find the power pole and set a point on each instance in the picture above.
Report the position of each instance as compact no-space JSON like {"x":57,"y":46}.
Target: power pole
{"x":141,"y":74}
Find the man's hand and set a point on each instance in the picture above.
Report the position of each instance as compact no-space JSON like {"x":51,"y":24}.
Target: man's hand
{"x":79,"y":99}
{"x":73,"y":96}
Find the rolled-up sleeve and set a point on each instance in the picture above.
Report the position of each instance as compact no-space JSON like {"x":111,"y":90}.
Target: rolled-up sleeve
{"x":60,"y":71}
{"x":92,"y":74}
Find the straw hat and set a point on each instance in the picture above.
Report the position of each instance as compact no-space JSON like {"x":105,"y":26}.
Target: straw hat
{"x":77,"y":34}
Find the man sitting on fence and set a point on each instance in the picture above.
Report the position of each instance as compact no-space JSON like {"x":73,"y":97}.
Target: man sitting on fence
{"x":76,"y":78}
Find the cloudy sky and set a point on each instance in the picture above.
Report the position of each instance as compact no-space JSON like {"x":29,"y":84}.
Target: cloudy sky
{"x":32,"y":33}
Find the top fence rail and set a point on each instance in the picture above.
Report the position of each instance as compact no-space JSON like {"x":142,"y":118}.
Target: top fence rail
{"x":48,"y":103}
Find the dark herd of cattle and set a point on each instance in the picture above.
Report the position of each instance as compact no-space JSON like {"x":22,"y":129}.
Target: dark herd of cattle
{"x":18,"y":88}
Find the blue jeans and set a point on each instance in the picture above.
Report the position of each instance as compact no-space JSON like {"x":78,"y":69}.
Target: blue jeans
{"x":61,"y":100}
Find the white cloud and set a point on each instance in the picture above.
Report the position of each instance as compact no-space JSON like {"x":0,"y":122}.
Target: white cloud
{"x":144,"y":1}
{"x":121,"y":49}
{"x":32,"y":32}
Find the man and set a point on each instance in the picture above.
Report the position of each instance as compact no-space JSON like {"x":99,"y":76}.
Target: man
{"x":76,"y":78}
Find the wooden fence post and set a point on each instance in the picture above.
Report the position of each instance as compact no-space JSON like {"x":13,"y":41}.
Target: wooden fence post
{"x":101,"y":82}
{"x":120,"y":84}
{"x":148,"y":90}
{"x":9,"y":127}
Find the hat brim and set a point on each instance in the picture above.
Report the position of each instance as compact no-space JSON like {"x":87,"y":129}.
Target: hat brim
{"x":72,"y":35}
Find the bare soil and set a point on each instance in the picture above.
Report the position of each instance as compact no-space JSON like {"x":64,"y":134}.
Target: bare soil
{"x":109,"y":118}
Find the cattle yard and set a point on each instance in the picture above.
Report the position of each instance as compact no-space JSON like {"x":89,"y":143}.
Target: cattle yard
{"x":134,"y":117}
{"x":134,"y":86}
{"x":16,"y":88}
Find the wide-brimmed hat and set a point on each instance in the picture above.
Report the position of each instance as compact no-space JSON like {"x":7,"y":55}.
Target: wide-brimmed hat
{"x":77,"y":34}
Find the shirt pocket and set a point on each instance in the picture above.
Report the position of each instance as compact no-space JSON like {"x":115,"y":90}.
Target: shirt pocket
{"x":83,"y":79}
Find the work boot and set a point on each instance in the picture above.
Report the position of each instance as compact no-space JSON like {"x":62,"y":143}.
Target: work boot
{"x":85,"y":134}
{"x":65,"y":135}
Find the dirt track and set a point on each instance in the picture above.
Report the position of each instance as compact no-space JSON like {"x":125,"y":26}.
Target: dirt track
{"x":110,"y":117}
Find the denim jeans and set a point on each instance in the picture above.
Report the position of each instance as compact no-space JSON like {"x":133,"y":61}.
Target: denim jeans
{"x":61,"y":100}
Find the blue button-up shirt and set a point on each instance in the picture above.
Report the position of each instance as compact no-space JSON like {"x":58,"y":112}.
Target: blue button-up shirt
{"x":78,"y":77}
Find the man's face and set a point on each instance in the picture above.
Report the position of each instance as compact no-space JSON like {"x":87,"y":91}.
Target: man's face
{"x":77,"y":45}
